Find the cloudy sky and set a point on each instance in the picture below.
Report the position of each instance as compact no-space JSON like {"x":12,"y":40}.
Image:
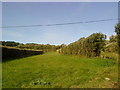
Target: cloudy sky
{"x":38,"y":13}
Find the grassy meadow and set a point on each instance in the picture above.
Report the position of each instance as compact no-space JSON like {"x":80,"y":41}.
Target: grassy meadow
{"x":53,"y":70}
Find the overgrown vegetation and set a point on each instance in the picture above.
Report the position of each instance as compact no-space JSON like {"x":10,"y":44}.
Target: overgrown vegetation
{"x":90,"y":46}
{"x":10,"y":43}
{"x":117,"y":30}
{"x":32,"y":46}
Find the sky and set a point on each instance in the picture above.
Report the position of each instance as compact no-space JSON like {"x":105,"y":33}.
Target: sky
{"x":42,"y":13}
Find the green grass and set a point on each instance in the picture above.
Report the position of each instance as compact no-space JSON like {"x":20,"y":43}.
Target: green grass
{"x":53,"y":70}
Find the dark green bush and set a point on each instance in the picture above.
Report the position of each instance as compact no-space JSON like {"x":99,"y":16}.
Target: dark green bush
{"x":90,"y":46}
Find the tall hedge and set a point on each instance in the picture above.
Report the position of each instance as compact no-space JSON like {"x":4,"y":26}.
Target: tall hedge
{"x":9,"y":53}
{"x":90,"y":46}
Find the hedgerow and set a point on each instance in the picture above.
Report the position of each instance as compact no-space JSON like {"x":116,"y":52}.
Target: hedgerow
{"x":9,"y":53}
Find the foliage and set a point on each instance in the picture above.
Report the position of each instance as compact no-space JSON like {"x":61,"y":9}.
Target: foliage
{"x":109,"y":55}
{"x":45,"y":48}
{"x":113,"y":38}
{"x":10,"y":43}
{"x":32,"y":46}
{"x":117,"y":30}
{"x":111,"y":47}
{"x":90,"y":46}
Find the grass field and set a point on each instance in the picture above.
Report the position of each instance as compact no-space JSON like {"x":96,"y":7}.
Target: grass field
{"x":53,"y":70}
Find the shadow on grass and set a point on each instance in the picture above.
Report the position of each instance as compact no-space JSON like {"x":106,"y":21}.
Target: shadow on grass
{"x":14,"y":58}
{"x":9,"y":53}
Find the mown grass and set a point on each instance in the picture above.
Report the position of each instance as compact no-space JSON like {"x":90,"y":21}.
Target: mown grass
{"x":53,"y":70}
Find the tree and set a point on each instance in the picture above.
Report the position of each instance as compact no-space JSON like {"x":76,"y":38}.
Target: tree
{"x":10,"y":43}
{"x":90,"y":46}
{"x":113,"y":38}
{"x":117,"y":30}
{"x":95,"y":43}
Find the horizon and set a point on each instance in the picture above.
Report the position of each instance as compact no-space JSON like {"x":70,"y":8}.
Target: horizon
{"x":46,"y":43}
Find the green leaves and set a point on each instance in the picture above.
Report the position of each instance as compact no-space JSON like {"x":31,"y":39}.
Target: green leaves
{"x":117,"y":28}
{"x":90,"y":46}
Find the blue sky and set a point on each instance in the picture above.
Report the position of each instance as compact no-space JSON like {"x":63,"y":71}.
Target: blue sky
{"x":34,"y":13}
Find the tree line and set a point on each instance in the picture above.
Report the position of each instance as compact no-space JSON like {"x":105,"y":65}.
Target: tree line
{"x":32,"y":46}
{"x":90,"y":46}
{"x":93,"y":45}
